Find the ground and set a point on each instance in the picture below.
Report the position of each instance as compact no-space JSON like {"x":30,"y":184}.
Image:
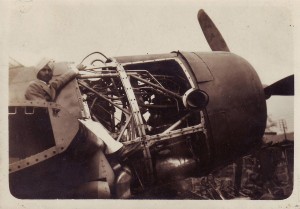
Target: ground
{"x":266,"y":174}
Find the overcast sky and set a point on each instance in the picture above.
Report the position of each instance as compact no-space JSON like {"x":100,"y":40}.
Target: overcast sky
{"x":260,"y":31}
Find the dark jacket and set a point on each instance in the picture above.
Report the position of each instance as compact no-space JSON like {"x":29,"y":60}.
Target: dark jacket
{"x":39,"y":90}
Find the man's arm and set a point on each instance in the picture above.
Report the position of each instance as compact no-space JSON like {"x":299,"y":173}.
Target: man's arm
{"x":59,"y":82}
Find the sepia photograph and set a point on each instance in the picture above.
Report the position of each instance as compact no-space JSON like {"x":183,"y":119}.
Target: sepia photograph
{"x":148,"y":104}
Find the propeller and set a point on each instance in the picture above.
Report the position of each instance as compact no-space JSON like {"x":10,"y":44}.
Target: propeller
{"x":283,"y":87}
{"x":211,"y":33}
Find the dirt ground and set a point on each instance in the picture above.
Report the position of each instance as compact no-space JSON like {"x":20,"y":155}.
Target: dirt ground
{"x":266,"y":175}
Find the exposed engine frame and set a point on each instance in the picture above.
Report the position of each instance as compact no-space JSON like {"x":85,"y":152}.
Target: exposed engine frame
{"x":149,"y":111}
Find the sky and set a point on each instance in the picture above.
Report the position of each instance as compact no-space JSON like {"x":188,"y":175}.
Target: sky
{"x":262,"y":32}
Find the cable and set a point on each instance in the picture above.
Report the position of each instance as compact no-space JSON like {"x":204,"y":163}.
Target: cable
{"x":107,"y":59}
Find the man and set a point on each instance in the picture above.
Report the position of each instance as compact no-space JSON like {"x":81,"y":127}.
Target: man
{"x":45,"y":89}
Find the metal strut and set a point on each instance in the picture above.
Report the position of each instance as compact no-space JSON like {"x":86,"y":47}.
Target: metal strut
{"x":131,"y":99}
{"x":137,"y":117}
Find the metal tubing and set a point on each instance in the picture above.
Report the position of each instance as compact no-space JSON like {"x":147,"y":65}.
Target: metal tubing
{"x":156,"y":106}
{"x":159,"y":87}
{"x":172,"y":134}
{"x":103,"y":97}
{"x":175,"y":125}
{"x":147,"y":72}
{"x":102,"y":75}
{"x":123,"y":130}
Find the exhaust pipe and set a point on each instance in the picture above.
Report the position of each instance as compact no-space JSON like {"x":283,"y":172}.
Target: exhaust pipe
{"x":195,"y":99}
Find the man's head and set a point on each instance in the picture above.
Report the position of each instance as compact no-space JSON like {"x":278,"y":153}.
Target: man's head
{"x":44,"y":70}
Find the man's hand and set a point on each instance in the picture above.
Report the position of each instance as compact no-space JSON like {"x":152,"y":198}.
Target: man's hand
{"x":80,"y":67}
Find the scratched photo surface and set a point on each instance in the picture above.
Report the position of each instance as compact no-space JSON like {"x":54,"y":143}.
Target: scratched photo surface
{"x":150,"y":100}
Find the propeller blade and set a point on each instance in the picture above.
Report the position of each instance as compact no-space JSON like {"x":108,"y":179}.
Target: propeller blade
{"x":283,"y":87}
{"x":211,"y":33}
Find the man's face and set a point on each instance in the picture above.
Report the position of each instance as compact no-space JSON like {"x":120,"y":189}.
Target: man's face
{"x":45,"y":74}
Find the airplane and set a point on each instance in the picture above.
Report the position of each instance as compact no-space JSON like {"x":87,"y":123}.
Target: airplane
{"x":127,"y":124}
